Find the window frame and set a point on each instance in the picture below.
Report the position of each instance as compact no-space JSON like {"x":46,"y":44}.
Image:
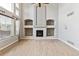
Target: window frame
{"x":12,"y":15}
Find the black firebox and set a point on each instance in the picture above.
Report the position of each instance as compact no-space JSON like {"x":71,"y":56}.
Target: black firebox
{"x":39,"y":33}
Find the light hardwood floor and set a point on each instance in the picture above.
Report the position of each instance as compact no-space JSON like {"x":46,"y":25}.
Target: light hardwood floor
{"x":39,"y":48}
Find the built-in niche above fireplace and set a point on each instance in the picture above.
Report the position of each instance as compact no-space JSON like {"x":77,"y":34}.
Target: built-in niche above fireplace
{"x":39,"y":33}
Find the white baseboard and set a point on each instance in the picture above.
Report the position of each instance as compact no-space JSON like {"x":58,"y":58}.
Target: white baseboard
{"x":69,"y":44}
{"x":8,"y":44}
{"x":38,"y":38}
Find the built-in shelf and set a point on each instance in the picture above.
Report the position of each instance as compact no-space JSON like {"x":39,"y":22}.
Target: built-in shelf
{"x":28,"y":22}
{"x":50,"y":31}
{"x":28,"y":31}
{"x":50,"y":22}
{"x":50,"y":26}
{"x":28,"y":26}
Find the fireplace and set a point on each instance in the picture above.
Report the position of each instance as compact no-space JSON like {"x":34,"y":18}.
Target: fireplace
{"x":39,"y":33}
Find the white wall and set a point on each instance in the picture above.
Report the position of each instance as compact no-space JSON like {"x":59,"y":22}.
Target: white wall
{"x":21,"y":21}
{"x":52,"y":13}
{"x":69,"y":25}
{"x":28,"y":11}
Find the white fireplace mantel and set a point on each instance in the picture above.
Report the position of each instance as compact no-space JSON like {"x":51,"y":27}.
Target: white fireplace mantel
{"x":35,"y":29}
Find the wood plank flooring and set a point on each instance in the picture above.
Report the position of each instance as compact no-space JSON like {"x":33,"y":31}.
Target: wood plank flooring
{"x":39,"y":48}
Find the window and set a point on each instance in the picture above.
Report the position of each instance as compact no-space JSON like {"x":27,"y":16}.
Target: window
{"x":8,"y":6}
{"x":11,"y":7}
{"x":17,"y":12}
{"x":17,"y":8}
{"x":17,"y":5}
{"x":6,"y":26}
{"x":9,"y":26}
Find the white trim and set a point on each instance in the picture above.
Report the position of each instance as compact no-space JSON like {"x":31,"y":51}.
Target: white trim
{"x":69,"y":44}
{"x":7,"y":13}
{"x":39,"y":38}
{"x":9,"y":44}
